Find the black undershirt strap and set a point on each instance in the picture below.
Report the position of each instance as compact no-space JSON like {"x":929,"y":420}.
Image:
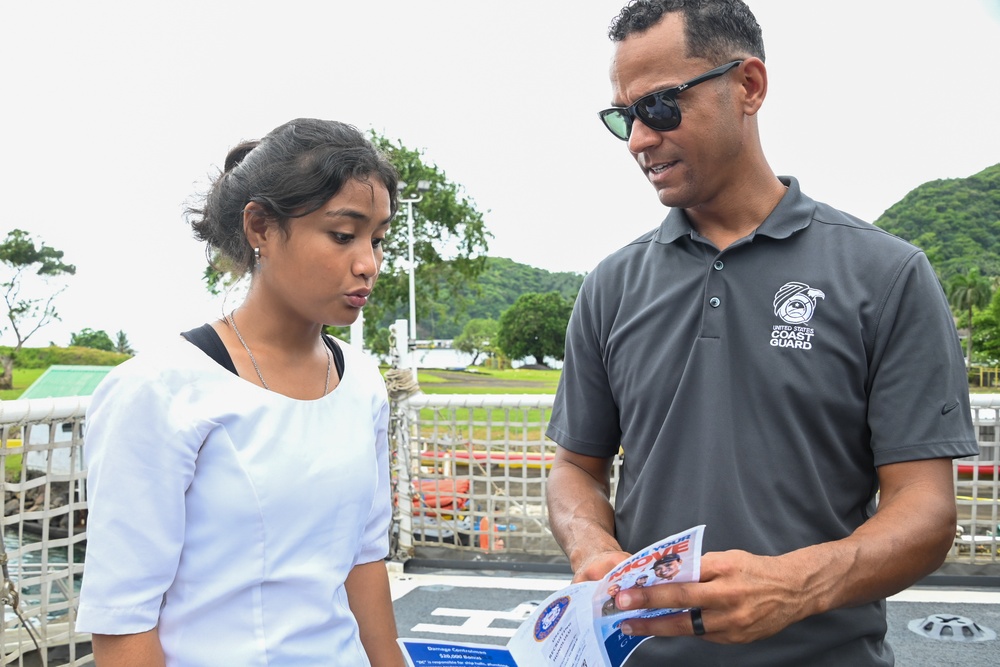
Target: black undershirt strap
{"x":206,"y":339}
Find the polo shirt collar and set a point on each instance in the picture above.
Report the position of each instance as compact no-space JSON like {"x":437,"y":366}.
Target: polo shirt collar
{"x":793,"y":212}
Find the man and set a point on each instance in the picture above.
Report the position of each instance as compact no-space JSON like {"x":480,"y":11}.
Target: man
{"x":609,"y":606}
{"x":766,"y":363}
{"x":667,"y":567}
{"x":640,"y":581}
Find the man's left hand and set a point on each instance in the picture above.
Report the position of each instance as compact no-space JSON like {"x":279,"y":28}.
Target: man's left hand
{"x":742,"y":598}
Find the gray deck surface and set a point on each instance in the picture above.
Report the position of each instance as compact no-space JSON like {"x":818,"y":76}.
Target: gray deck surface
{"x":477,"y":597}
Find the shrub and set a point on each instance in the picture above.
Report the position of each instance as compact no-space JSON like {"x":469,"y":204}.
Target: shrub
{"x":43,"y":357}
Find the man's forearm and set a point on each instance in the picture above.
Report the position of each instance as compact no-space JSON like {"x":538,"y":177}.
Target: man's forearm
{"x":746,"y":597}
{"x":907,"y":539}
{"x":580,"y":513}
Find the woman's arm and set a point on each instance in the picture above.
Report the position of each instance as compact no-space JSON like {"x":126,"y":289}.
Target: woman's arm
{"x":138,"y":650}
{"x":141,"y":455}
{"x":368,"y":594}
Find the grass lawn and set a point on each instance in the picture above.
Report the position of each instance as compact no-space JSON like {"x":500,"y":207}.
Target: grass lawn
{"x":484,"y":424}
{"x":23,"y":377}
{"x":432,"y":381}
{"x":12,"y":466}
{"x":488,"y":381}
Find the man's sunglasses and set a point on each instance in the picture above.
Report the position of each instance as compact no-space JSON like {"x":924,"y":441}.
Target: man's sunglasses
{"x":659,"y":110}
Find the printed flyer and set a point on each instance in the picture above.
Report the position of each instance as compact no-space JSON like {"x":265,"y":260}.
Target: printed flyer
{"x":578,"y":626}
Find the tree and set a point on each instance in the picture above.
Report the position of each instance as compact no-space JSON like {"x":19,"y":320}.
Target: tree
{"x":220,"y":274}
{"x":97,"y":340}
{"x":497,"y":288}
{"x":967,"y":292}
{"x":535,"y":326}
{"x":987,"y":332}
{"x":450,"y":242}
{"x":478,"y":337}
{"x":27,"y":267}
{"x":122,"y":345}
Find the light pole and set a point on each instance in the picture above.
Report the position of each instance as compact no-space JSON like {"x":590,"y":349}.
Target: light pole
{"x":422,"y":187}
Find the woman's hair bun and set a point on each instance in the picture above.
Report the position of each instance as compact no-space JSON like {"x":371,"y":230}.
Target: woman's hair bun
{"x":237,"y":154}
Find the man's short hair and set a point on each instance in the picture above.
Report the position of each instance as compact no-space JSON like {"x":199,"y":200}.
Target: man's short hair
{"x":666,"y":560}
{"x":715,"y":30}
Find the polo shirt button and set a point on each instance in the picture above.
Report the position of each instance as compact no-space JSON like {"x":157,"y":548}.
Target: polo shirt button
{"x":718,"y":265}
{"x":715,"y":302}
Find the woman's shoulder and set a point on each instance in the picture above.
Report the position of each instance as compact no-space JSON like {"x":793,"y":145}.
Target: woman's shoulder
{"x":175,"y":362}
{"x":360,"y":366}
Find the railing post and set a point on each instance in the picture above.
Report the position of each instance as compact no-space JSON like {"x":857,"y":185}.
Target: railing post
{"x":400,"y":385}
{"x":404,"y":494}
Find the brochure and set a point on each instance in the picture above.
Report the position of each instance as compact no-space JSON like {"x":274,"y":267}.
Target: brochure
{"x":578,"y":626}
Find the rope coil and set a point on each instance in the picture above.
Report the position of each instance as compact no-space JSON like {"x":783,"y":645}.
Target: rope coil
{"x":400,"y":384}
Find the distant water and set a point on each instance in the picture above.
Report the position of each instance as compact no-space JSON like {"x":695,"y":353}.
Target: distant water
{"x":442,"y":358}
{"x":451,"y":358}
{"x":32,"y":560}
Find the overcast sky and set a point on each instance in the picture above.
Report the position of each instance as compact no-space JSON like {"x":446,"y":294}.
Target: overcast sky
{"x":115,"y":113}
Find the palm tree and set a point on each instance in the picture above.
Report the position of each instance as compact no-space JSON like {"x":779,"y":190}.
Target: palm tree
{"x":967,"y":292}
{"x":122,"y":345}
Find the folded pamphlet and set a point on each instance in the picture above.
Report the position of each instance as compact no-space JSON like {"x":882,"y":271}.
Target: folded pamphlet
{"x":578,"y":626}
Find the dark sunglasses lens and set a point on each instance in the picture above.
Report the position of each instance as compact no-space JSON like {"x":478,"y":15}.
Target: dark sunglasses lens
{"x":659,"y":112}
{"x":618,"y":122}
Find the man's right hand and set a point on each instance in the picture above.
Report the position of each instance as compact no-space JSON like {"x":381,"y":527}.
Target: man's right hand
{"x":597,"y":565}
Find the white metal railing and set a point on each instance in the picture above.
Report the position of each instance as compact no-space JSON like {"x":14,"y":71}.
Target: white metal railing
{"x":977,"y":492}
{"x":44,"y":493}
{"x":472,"y":472}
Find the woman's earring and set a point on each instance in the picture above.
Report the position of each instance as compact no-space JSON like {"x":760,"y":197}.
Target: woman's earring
{"x":256,"y":257}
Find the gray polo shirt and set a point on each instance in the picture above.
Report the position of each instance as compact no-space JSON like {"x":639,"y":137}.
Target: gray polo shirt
{"x":756,"y":390}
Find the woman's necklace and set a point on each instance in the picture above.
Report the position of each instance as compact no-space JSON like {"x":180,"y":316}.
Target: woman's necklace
{"x":329,"y":356}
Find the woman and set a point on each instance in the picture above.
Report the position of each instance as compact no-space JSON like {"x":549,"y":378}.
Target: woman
{"x":238,"y":480}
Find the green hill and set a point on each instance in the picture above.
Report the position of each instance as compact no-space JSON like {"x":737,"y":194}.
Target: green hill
{"x":955,"y":221}
{"x":497,"y":288}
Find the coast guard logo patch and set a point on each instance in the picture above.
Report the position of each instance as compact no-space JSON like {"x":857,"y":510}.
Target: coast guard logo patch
{"x":795,"y":304}
{"x":550,"y":617}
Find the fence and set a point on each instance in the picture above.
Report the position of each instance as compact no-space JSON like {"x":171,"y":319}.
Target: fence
{"x":469,"y":476}
{"x":984,"y":376}
{"x":43,"y":528}
{"x":472,"y":475}
{"x":977,"y":489}
{"x":475,"y":468}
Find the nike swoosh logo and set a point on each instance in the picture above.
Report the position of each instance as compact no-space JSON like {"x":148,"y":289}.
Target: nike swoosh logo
{"x":948,"y":407}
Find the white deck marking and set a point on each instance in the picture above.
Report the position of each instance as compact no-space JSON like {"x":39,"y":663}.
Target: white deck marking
{"x":478,"y":622}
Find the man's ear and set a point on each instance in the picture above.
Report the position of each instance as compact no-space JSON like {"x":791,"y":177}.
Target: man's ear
{"x":256,"y":226}
{"x":754,"y":82}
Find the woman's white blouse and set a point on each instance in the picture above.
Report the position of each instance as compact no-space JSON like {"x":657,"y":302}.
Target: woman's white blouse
{"x":229,"y":516}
